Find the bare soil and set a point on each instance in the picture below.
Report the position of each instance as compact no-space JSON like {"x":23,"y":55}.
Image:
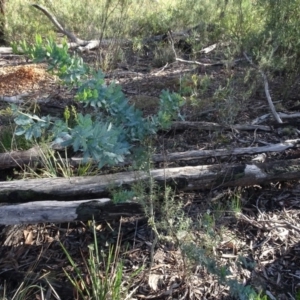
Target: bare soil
{"x":265,"y":233}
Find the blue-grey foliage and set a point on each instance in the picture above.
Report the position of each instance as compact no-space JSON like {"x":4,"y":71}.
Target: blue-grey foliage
{"x":116,"y":126}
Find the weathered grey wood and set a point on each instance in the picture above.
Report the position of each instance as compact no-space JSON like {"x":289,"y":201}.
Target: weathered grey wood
{"x":6,"y":50}
{"x":267,"y":117}
{"x":67,"y":211}
{"x":196,"y":154}
{"x":267,"y":91}
{"x":184,"y":125}
{"x":20,"y":158}
{"x":185,"y":178}
{"x":54,"y":21}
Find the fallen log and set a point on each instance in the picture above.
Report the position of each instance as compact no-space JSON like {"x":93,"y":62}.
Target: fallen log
{"x":15,"y":159}
{"x":185,"y":125}
{"x":267,"y":118}
{"x":62,"y":211}
{"x":6,"y":50}
{"x":184,"y":178}
{"x":29,"y":157}
{"x":196,"y":154}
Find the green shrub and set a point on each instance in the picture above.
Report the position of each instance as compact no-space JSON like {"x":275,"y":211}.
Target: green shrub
{"x":109,"y":134}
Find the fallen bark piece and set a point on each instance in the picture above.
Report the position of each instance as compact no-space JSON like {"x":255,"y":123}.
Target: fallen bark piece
{"x":184,"y":178}
{"x":67,"y":211}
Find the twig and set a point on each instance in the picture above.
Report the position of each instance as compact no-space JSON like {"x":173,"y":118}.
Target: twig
{"x":162,"y":69}
{"x":208,"y":49}
{"x":266,"y":85}
{"x":172,"y":43}
{"x":199,"y":63}
{"x":269,"y":294}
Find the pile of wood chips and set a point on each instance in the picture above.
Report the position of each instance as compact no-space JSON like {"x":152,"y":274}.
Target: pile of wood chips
{"x":16,"y":80}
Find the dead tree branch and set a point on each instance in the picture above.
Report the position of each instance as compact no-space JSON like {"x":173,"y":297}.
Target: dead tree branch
{"x":52,"y":18}
{"x":81,"y":45}
{"x":266,"y":86}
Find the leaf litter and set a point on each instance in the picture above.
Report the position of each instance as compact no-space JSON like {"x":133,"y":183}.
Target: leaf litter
{"x":258,"y":245}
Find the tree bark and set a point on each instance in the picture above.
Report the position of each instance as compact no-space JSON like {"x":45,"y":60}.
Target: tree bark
{"x":2,"y":22}
{"x":185,"y":178}
{"x":62,"y":211}
{"x":15,"y":159}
